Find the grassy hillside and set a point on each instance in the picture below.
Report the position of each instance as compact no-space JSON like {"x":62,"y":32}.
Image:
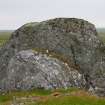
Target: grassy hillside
{"x":101,"y":32}
{"x":4,"y":36}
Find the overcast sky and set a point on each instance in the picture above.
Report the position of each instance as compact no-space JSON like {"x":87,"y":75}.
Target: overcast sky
{"x":14,"y":13}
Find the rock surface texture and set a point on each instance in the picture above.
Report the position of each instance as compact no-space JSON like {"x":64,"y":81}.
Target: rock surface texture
{"x":70,"y":40}
{"x":29,"y":69}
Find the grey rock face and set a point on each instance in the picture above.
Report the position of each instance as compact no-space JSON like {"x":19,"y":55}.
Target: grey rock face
{"x":29,"y":69}
{"x":74,"y":40}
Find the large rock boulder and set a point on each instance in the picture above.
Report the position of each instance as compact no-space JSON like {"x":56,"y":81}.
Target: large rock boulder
{"x":30,"y":69}
{"x":74,"y":41}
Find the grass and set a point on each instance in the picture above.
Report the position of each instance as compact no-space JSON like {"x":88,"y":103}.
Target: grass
{"x":4,"y":36}
{"x":6,"y":97}
{"x":102,"y":36}
{"x":101,"y":32}
{"x":72,"y":96}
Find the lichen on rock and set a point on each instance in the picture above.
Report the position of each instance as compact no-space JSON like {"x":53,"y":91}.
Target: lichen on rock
{"x":29,"y":69}
{"x":75,"y":40}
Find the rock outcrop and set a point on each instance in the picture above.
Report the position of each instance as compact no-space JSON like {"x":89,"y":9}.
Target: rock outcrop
{"x":30,"y":69}
{"x":74,"y":40}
